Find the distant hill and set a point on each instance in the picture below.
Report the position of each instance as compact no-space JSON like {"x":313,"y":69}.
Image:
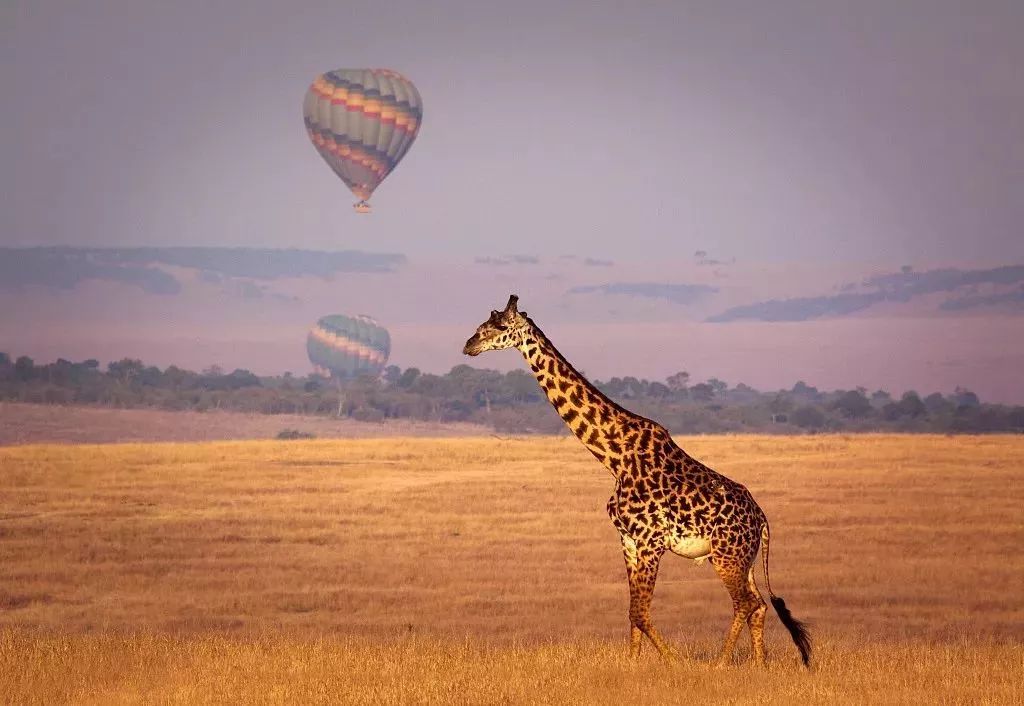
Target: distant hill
{"x":972,"y":289}
{"x":67,"y":267}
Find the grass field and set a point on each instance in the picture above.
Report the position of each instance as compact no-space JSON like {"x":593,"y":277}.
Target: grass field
{"x":486,"y":571}
{"x":26,"y":423}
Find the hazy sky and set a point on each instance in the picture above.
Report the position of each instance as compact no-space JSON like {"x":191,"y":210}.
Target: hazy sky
{"x":814,"y":131}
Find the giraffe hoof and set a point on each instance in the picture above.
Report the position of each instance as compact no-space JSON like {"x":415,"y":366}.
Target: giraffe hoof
{"x":670,"y":657}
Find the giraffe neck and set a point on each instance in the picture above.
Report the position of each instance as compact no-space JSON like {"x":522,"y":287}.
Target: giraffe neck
{"x":594,"y":419}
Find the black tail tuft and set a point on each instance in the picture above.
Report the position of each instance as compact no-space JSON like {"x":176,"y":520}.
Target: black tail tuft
{"x":799,"y":631}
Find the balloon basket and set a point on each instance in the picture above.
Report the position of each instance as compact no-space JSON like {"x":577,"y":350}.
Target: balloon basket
{"x":361,"y":207}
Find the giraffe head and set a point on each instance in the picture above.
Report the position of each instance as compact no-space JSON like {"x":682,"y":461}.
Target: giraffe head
{"x":503,"y":329}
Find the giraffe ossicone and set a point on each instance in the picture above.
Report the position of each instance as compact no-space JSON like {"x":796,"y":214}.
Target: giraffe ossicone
{"x":664,"y":500}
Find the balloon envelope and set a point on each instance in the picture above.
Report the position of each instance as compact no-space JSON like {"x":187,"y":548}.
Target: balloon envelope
{"x":362,"y":122}
{"x":348,"y":346}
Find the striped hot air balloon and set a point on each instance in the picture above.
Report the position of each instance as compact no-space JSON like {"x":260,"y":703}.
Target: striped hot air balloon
{"x":362,"y":122}
{"x":342,"y":346}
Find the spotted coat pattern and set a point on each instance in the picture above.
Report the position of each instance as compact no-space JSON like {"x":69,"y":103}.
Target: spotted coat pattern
{"x":664,"y":499}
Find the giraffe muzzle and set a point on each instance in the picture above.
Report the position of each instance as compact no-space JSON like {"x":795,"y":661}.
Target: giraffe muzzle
{"x":472,"y":347}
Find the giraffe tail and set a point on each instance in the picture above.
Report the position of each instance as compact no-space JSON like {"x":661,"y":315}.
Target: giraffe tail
{"x":797,"y":629}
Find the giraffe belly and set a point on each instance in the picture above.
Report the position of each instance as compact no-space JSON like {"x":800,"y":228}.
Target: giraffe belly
{"x":690,"y":547}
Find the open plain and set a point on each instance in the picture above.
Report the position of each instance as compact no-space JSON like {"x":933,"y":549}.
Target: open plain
{"x":485,"y":570}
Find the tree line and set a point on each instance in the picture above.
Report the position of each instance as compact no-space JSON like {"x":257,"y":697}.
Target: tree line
{"x":509,"y":402}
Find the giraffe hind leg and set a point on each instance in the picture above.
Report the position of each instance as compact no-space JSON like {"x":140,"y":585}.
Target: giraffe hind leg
{"x":755,"y":621}
{"x":748,"y":609}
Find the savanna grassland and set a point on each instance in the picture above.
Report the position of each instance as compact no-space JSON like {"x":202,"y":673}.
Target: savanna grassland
{"x":486,"y":571}
{"x":26,"y":423}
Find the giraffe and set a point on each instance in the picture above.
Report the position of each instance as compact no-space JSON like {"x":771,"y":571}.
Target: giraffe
{"x":663,"y":500}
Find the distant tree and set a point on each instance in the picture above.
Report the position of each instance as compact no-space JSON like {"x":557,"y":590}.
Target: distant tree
{"x":462,"y":370}
{"x":476,"y":387}
{"x":125,"y":369}
{"x":62,"y":372}
{"x":852,"y":404}
{"x":522,"y":386}
{"x":962,"y":397}
{"x":1015,"y":418}
{"x":151,"y":376}
{"x":24,"y":368}
{"x":430,"y":385}
{"x":677,"y":382}
{"x":936,"y":404}
{"x":719,"y":386}
{"x":392,"y":374}
{"x":880,"y":398}
{"x":658,"y":390}
{"x":803,"y":391}
{"x":808,"y":417}
{"x":983,"y":418}
{"x":780,"y":404}
{"x":176,"y":379}
{"x":240,"y":378}
{"x":613,"y":388}
{"x":5,"y":360}
{"x":910,"y":405}
{"x":408,"y":377}
{"x":702,"y":392}
{"x":631,"y":387}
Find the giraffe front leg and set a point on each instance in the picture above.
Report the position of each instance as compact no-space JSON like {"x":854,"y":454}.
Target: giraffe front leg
{"x":642,"y":572}
{"x":636,"y":637}
{"x":630,"y":554}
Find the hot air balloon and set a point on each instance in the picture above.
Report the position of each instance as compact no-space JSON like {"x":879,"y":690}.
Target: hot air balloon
{"x":342,"y":346}
{"x":362,"y":122}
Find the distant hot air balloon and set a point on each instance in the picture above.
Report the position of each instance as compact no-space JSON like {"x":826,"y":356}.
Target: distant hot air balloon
{"x":362,"y":122}
{"x":342,"y":346}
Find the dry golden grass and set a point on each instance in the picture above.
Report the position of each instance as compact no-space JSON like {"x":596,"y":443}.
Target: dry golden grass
{"x":109,"y":669}
{"x":480,"y":570}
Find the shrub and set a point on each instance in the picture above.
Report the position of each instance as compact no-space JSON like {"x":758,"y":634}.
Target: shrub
{"x":367,"y":414}
{"x":288,"y":434}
